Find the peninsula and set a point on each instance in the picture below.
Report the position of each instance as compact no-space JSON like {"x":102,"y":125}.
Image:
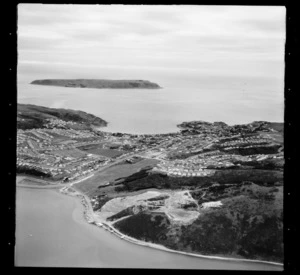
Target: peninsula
{"x":210,"y":188}
{"x":32,"y":116}
{"x":98,"y":83}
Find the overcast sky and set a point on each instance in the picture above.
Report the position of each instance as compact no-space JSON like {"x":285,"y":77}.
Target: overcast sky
{"x":142,"y":42}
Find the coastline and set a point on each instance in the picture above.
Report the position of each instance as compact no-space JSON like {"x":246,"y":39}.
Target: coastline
{"x":50,"y":185}
{"x":161,"y":247}
{"x":89,"y":217}
{"x":88,"y":214}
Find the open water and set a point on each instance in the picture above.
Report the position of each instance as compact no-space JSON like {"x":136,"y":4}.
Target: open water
{"x":159,"y":111}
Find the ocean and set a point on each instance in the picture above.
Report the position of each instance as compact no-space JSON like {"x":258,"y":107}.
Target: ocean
{"x":148,"y":111}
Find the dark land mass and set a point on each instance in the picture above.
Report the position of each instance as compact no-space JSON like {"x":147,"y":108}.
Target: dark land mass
{"x":32,"y":172}
{"x":161,"y":181}
{"x":221,"y":128}
{"x":98,"y":83}
{"x":248,"y":225}
{"x":33,"y":116}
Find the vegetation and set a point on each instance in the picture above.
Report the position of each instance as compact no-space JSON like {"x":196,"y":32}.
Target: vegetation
{"x":248,"y":224}
{"x":110,"y":153}
{"x":98,"y":83}
{"x":269,"y":164}
{"x":101,"y":200}
{"x":90,"y":186}
{"x":32,"y":171}
{"x":267,"y":149}
{"x":146,"y":226}
{"x":32,"y":116}
{"x":126,"y":212}
{"x":158,"y":198}
{"x":143,"y":180}
{"x":33,"y":181}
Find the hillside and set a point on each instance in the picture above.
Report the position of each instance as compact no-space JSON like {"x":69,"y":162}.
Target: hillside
{"x":245,"y":222}
{"x":98,"y":83}
{"x":32,"y":116}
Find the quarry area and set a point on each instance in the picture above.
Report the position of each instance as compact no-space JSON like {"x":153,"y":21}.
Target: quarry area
{"x":179,"y":206}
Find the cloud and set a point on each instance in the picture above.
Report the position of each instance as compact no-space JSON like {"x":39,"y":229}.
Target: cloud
{"x":197,"y":39}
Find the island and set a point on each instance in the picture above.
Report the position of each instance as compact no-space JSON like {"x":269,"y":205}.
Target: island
{"x":209,"y":189}
{"x":98,"y":83}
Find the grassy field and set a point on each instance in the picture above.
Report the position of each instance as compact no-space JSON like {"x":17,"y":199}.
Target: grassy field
{"x":110,"y":153}
{"x":75,"y":153}
{"x":91,"y":146}
{"x":98,"y":149}
{"x":114,"y":172}
{"x":67,"y":141}
{"x":58,"y":138}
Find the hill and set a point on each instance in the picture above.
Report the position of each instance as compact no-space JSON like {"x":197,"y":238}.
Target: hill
{"x":32,"y":116}
{"x":98,"y":83}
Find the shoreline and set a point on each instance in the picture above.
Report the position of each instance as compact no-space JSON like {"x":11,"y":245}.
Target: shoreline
{"x":161,"y":247}
{"x":89,"y":218}
{"x":51,"y":186}
{"x":38,"y":187}
{"x":88,"y":215}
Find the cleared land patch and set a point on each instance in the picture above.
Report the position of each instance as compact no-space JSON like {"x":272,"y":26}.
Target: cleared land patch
{"x":98,"y":149}
{"x":116,"y":205}
{"x":75,"y":153}
{"x":171,"y":203}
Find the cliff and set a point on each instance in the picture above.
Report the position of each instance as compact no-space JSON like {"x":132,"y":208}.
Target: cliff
{"x":98,"y":83}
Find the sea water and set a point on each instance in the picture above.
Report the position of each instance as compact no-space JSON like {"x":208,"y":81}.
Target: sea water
{"x":151,"y":111}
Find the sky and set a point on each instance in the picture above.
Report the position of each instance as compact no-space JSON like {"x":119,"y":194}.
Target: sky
{"x":162,"y":44}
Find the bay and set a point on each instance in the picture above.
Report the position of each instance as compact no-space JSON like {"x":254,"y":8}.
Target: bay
{"x":139,"y":111}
